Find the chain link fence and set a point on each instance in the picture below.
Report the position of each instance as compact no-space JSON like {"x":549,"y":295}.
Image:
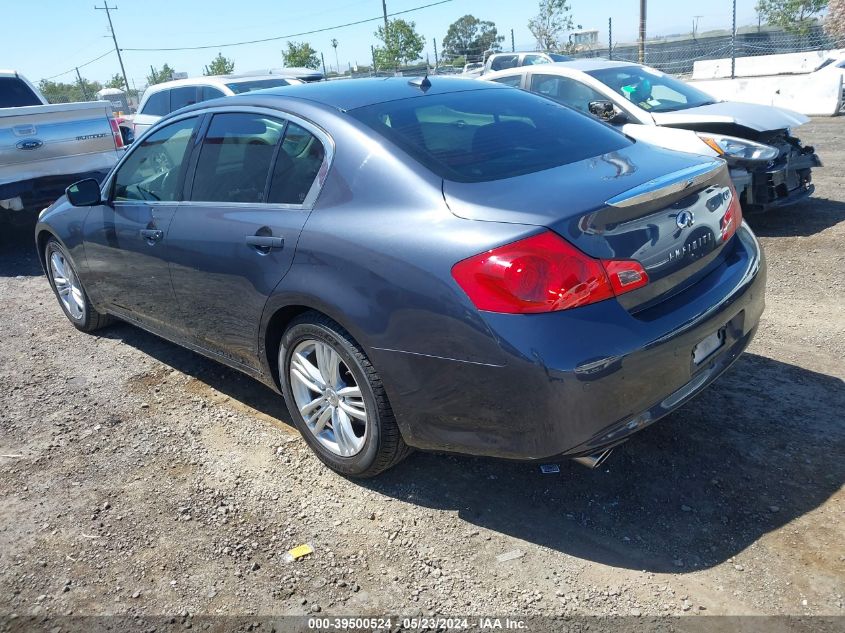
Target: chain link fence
{"x":678,"y":55}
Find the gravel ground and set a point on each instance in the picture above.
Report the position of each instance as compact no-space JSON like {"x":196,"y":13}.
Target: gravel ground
{"x":139,"y":478}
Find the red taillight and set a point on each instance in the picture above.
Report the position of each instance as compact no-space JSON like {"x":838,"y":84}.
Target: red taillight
{"x":625,"y":274}
{"x":115,"y":131}
{"x":543,"y":273}
{"x":733,"y":217}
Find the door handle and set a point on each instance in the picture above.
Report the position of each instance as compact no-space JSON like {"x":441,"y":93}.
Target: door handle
{"x":152,"y":235}
{"x":265,"y":241}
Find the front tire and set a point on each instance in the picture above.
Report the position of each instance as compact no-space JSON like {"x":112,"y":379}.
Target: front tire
{"x":69,"y":291}
{"x":336,"y":398}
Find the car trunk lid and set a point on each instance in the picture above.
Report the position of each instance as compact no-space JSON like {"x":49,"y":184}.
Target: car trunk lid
{"x":662,"y":209}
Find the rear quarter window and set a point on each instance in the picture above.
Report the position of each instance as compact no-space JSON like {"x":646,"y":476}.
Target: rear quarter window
{"x":157,"y":104}
{"x":14,"y":93}
{"x":182,"y":97}
{"x":489,"y":134}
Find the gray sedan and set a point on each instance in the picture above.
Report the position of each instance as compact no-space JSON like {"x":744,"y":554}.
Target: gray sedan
{"x":439,"y":264}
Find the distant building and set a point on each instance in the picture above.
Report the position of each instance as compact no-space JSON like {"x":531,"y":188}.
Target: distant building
{"x":584,"y":40}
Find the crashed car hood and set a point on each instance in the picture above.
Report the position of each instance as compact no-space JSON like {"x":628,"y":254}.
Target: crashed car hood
{"x":751,"y":115}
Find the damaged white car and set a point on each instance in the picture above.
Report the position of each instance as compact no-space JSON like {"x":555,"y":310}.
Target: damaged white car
{"x":769,"y":165}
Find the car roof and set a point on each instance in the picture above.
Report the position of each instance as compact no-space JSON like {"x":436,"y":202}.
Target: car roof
{"x":581,"y":65}
{"x":214,"y":80}
{"x":595,"y":63}
{"x":349,"y":94}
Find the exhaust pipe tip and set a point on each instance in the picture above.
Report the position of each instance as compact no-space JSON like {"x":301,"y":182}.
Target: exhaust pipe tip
{"x":595,"y":460}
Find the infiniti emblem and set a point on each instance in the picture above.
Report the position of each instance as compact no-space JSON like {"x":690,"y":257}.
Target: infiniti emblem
{"x":685,"y":219}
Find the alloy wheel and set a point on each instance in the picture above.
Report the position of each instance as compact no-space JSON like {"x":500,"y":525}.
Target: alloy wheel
{"x":328,"y":397}
{"x":67,"y":286}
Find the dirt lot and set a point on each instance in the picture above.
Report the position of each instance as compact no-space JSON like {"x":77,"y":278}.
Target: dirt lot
{"x":139,"y":478}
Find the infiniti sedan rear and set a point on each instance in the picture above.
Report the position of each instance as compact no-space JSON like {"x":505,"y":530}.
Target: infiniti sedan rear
{"x":435,"y":264}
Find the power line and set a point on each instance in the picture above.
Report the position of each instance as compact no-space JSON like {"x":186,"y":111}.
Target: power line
{"x":96,"y":59}
{"x":286,"y":37}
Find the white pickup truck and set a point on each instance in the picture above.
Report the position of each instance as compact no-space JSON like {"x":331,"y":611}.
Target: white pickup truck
{"x":44,"y":148}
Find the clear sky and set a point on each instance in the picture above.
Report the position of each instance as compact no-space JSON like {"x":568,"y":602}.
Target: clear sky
{"x":52,"y":36}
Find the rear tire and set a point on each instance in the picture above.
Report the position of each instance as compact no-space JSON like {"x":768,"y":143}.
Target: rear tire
{"x":326,"y":376}
{"x":69,"y":291}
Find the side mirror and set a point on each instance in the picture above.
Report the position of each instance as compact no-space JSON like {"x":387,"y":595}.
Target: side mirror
{"x":606,"y":111}
{"x":85,"y":193}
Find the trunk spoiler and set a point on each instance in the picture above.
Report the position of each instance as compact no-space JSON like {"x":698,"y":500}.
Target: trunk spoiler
{"x":669,"y":185}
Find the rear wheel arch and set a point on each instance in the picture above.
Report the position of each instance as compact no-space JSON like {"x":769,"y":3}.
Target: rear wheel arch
{"x":276,"y":327}
{"x":282,"y":317}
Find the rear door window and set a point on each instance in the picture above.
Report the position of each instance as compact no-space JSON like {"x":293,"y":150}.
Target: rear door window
{"x":235,"y":158}
{"x":157,"y":104}
{"x":182,"y":96}
{"x":14,"y":93}
{"x":530,"y":60}
{"x":489,"y":134}
{"x":501,"y":62}
{"x":210,"y":92}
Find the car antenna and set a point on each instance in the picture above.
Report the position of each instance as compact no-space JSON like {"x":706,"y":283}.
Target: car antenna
{"x":423,"y":84}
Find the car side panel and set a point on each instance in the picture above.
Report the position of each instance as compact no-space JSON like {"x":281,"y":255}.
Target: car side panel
{"x":66,"y":223}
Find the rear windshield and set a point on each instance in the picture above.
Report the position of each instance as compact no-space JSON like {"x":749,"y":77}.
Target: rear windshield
{"x":15,"y":93}
{"x":258,"y":84}
{"x":482,"y":135}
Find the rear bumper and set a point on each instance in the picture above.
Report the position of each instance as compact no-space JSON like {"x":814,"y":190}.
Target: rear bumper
{"x":572,"y":382}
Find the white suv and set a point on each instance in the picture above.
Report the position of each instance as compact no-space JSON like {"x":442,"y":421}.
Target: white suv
{"x":162,"y":99}
{"x":503,"y":61}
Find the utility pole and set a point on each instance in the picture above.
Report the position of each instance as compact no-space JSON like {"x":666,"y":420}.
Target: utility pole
{"x":610,"y":38}
{"x":323,"y":60}
{"x":513,"y":46}
{"x":336,"y":63}
{"x":436,"y":59}
{"x":81,"y":84}
{"x":695,"y":20}
{"x":107,"y":8}
{"x":384,"y":10}
{"x":641,"y":55}
{"x":733,"y":43}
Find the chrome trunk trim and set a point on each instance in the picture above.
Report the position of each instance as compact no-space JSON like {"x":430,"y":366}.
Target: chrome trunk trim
{"x":667,"y":185}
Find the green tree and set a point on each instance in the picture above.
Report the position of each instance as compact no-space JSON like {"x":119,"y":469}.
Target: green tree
{"x":60,"y":92}
{"x":400,"y":45}
{"x":835,"y":22}
{"x":116,"y":81}
{"x":470,"y":36}
{"x":795,"y":16}
{"x":220,"y":66}
{"x":549,"y":25}
{"x":160,"y":76}
{"x":300,"y":55}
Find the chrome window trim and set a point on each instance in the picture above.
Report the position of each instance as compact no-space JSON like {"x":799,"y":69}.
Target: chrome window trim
{"x":313,"y":128}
